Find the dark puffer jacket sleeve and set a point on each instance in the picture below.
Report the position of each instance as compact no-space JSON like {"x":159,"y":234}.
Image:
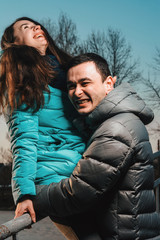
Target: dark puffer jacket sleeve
{"x":108,"y":157}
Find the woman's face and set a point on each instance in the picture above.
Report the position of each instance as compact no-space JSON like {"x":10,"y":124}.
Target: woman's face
{"x":30,"y":34}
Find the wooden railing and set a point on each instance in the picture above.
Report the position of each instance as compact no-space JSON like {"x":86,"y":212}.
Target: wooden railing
{"x":14,"y":226}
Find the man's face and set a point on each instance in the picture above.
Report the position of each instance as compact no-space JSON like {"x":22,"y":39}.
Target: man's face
{"x":85,"y":87}
{"x":27,"y":33}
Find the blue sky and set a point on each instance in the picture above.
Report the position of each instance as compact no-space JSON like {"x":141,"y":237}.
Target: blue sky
{"x":138,"y":20}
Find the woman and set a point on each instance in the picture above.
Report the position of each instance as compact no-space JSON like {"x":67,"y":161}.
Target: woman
{"x":45,"y":145}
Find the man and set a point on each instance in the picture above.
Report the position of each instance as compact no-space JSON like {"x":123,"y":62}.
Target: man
{"x":112,"y":185}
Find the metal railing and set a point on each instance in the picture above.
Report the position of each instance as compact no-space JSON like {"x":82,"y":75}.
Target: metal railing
{"x":16,"y":225}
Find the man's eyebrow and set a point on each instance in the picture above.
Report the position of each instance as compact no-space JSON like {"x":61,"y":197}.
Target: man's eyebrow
{"x":84,"y":79}
{"x":80,"y":80}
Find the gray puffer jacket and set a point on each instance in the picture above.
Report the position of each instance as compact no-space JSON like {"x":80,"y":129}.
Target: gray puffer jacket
{"x":115,"y":177}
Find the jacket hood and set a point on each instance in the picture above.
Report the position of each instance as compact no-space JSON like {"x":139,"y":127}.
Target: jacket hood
{"x":123,"y":99}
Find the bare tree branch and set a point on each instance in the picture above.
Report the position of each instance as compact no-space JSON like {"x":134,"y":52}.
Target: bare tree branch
{"x":151,"y":83}
{"x":113,"y":47}
{"x":152,"y":92}
{"x":110,"y":44}
{"x":96,"y":42}
{"x":157,"y":59}
{"x":64,"y":33}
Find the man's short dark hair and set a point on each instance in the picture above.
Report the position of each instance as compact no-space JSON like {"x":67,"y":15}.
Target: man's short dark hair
{"x":101,"y":63}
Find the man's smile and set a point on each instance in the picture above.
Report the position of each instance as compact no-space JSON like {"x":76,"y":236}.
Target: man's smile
{"x":81,"y":102}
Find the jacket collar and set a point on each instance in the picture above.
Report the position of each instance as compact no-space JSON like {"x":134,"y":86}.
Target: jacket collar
{"x":123,"y":99}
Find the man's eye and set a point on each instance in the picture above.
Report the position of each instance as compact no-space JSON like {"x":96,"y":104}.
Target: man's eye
{"x":25,"y":27}
{"x":70,"y":86}
{"x":85,"y":83}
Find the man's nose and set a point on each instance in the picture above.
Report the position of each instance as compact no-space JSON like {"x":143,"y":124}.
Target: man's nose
{"x":78,"y":91}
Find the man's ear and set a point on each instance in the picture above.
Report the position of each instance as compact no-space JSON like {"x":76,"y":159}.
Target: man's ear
{"x":109,"y":83}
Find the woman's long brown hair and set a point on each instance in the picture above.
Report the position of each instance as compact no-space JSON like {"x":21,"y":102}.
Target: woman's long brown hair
{"x":24,"y":73}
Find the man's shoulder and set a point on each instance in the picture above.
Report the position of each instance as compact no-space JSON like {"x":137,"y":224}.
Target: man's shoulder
{"x":122,"y":127}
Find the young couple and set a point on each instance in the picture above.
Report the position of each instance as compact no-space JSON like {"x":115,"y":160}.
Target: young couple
{"x":101,"y":189}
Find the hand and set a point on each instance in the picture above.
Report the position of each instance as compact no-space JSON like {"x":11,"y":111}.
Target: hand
{"x":23,"y":207}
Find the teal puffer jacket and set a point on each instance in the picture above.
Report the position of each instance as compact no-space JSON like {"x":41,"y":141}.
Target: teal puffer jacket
{"x":45,"y":145}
